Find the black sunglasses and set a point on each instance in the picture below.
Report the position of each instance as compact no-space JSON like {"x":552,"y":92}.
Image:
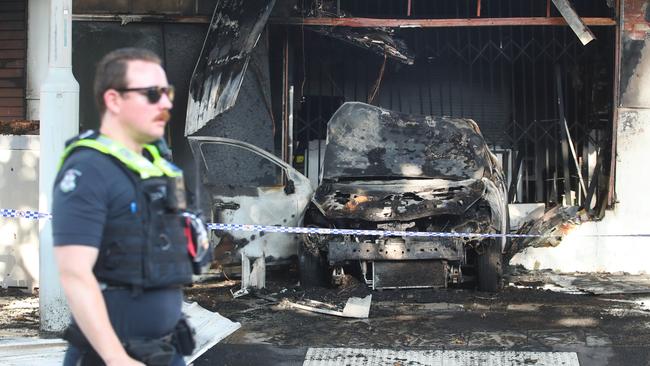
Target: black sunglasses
{"x":153,"y":93}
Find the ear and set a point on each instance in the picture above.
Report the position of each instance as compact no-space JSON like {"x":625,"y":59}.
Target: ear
{"x":112,"y":100}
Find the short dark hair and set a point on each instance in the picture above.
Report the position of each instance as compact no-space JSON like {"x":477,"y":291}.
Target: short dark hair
{"x":111,"y":71}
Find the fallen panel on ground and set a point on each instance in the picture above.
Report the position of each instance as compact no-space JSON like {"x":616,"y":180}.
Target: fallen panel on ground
{"x":210,"y":328}
{"x":355,"y":307}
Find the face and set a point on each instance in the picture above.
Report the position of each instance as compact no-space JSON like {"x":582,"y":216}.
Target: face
{"x":142,"y":120}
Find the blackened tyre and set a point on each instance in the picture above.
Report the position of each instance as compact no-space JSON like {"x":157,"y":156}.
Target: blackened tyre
{"x":490,"y":267}
{"x":311,"y":266}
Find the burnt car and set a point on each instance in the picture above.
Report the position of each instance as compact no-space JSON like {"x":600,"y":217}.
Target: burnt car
{"x":414,"y":174}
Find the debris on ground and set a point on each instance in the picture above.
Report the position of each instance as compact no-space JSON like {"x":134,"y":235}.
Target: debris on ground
{"x":355,"y":307}
{"x":19,"y":314}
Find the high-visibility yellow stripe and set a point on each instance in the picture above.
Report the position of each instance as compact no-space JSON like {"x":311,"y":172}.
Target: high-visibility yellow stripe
{"x":136,"y":162}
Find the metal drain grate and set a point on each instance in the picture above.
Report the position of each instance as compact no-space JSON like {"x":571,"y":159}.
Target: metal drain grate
{"x":372,"y":357}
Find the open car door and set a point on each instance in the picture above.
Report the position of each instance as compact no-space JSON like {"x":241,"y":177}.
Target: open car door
{"x":240,"y":183}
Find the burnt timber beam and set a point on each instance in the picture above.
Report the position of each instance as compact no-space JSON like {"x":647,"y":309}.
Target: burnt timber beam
{"x":434,"y":23}
{"x":353,"y":22}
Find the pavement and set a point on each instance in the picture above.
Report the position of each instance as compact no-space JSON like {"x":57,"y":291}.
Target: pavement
{"x":523,"y":325}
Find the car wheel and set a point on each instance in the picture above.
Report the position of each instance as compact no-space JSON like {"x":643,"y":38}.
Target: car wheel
{"x":490,"y":267}
{"x":311,"y":267}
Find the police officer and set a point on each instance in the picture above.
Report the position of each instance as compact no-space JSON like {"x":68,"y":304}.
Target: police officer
{"x":120,"y":242}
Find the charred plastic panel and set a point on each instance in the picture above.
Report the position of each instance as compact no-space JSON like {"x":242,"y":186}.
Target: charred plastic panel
{"x":234,"y":30}
{"x":368,"y":141}
{"x":397,"y":200}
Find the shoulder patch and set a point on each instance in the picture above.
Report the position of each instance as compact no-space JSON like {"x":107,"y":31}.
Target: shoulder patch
{"x":69,"y":181}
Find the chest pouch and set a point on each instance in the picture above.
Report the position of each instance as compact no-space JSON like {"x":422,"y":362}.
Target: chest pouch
{"x":160,"y":194}
{"x":176,"y":196}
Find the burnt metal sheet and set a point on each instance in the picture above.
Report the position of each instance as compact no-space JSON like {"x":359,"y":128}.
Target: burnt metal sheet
{"x":368,"y":141}
{"x":378,"y":40}
{"x":552,"y":227}
{"x":409,"y":274}
{"x":396,"y":249}
{"x":234,"y":30}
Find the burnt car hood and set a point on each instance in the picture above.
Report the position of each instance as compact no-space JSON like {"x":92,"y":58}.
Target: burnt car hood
{"x":366,"y":142}
{"x":397,"y":200}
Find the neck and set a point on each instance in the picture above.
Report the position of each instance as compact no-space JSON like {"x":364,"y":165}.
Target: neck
{"x":114,"y":131}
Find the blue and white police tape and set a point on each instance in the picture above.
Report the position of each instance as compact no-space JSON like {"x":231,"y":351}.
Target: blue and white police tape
{"x":325,"y":231}
{"x":35,"y":215}
{"x":32,"y":215}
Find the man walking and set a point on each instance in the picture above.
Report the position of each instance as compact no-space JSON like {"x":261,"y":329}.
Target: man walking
{"x":121,"y":239}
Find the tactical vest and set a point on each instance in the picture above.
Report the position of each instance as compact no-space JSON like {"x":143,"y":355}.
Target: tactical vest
{"x":149,"y":249}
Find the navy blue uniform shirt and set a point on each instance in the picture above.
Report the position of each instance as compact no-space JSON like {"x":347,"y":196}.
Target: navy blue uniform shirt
{"x":89,"y":191}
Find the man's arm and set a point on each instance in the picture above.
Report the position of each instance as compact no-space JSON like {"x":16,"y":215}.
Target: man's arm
{"x":87,"y":303}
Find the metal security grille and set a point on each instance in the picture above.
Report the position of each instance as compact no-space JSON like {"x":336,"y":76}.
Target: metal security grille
{"x":502,"y":77}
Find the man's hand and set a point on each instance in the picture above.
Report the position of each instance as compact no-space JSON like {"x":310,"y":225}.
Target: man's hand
{"x":87,"y":303}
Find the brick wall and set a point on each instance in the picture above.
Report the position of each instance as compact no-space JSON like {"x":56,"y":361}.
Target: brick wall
{"x":13,"y":46}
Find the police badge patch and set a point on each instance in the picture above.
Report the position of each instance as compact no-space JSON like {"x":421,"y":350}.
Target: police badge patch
{"x":69,"y":181}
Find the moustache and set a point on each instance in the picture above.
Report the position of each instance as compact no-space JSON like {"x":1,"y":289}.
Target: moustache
{"x":164,"y":116}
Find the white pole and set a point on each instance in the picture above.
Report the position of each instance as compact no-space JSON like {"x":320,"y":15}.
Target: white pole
{"x":59,"y":116}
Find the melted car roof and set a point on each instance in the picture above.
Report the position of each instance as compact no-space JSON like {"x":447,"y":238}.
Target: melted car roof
{"x":365,"y":141}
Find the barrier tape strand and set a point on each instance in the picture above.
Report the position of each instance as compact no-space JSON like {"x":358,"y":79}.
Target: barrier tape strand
{"x":35,"y":215}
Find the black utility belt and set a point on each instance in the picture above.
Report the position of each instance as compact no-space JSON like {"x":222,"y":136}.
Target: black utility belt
{"x":150,"y":351}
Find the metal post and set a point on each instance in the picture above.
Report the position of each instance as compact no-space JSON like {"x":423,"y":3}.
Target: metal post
{"x":290,"y":127}
{"x":59,"y":116}
{"x":564,"y":143}
{"x":285,"y":98}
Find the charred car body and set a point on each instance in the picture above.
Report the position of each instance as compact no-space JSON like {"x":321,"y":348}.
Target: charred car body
{"x":384,"y":170}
